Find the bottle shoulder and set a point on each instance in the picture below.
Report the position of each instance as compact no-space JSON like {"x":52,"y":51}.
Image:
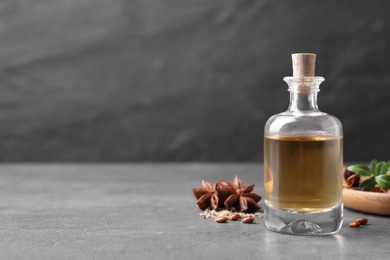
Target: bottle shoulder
{"x":303,"y":123}
{"x":297,"y":116}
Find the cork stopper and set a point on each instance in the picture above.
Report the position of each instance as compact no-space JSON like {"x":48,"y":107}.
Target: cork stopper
{"x":303,"y":64}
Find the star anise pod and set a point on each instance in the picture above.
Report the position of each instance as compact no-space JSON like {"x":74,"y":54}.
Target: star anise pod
{"x":206,"y":196}
{"x":224,"y":189}
{"x":351,"y":179}
{"x":240,"y":196}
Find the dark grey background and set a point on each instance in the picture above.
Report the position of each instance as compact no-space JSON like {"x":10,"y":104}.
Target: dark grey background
{"x":183,"y":80}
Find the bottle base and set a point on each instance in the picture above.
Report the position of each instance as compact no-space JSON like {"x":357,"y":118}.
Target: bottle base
{"x":305,"y":224}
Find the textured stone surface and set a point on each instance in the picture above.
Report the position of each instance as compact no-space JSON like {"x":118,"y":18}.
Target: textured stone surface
{"x":151,"y":80}
{"x":109,"y":211}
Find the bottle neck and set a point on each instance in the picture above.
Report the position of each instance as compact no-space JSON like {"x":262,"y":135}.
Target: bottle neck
{"x":300,"y":101}
{"x":303,"y":93}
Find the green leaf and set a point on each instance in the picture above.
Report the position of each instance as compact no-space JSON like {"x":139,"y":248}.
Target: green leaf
{"x":373,"y":165}
{"x":368,"y":184}
{"x":388,"y":166}
{"x":360,"y":169}
{"x":383,"y":181}
{"x":381,"y":168}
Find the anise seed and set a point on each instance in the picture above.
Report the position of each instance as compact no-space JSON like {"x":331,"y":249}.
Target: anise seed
{"x":234,"y":216}
{"x":354,"y":224}
{"x":362,"y":221}
{"x":221,"y":219}
{"x":248,"y":220}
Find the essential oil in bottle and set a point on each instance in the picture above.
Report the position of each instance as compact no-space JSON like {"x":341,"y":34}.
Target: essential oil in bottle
{"x":303,"y":160}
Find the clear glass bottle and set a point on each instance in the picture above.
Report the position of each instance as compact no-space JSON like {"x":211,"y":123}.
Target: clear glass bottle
{"x":303,"y":160}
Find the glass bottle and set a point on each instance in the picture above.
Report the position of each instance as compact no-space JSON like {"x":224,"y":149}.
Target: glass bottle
{"x":303,"y":160}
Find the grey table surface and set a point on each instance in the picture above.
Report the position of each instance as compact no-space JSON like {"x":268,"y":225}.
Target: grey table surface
{"x":147,"y":211}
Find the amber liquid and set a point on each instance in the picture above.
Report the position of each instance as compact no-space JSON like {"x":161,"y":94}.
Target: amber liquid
{"x":303,"y":174}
